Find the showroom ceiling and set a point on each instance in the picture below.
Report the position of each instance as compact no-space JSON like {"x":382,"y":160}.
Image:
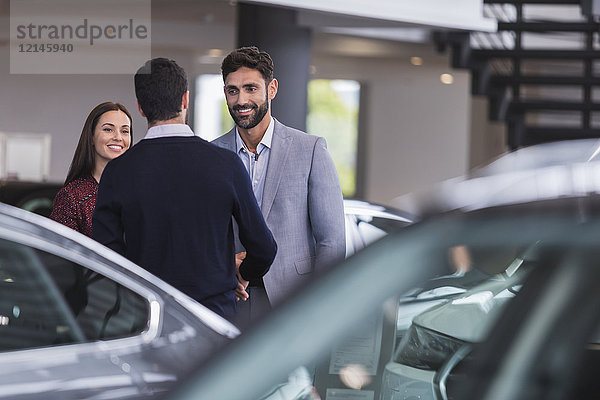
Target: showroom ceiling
{"x":539,"y":71}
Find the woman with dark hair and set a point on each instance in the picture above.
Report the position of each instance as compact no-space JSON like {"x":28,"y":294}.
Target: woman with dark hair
{"x":107,"y":133}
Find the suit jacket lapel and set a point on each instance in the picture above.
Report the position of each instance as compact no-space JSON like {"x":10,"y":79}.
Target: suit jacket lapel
{"x":229,"y":140}
{"x":280,"y":146}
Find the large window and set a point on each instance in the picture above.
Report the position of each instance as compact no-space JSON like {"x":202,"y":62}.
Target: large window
{"x":211,"y":118}
{"x":332,"y":113}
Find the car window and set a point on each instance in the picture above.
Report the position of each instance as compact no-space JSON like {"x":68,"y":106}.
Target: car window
{"x":47,"y":300}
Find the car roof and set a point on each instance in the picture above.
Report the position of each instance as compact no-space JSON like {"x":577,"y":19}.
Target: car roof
{"x":542,"y":172}
{"x":541,"y":156}
{"x":360,"y":207}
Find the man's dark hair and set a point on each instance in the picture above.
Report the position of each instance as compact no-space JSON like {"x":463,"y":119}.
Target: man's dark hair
{"x":159,"y":86}
{"x":249,"y":57}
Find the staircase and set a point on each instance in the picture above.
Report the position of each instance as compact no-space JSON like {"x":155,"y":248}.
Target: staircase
{"x":540,"y":71}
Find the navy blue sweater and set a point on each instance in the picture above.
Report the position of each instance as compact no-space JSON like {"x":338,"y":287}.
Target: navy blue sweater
{"x":167,"y":205}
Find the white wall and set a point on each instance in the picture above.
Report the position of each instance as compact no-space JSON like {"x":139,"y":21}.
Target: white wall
{"x":59,"y":105}
{"x":417,"y":129}
{"x":487,"y":138}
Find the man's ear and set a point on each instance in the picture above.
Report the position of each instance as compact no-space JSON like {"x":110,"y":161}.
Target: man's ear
{"x":185,"y":100}
{"x":272,"y":88}
{"x":140,"y":109}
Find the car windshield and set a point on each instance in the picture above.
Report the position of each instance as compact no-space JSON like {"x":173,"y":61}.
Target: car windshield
{"x":382,"y":323}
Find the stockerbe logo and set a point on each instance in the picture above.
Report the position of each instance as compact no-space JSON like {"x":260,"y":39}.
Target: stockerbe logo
{"x":79,"y":36}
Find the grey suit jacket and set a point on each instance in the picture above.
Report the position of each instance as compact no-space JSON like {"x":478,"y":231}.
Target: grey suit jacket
{"x":302,"y":205}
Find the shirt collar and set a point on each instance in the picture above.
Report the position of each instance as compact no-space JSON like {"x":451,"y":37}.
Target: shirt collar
{"x":169,"y":130}
{"x":266,"y":139}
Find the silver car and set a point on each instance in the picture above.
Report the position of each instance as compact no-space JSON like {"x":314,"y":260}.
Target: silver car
{"x":367,"y":222}
{"x":78,"y":321}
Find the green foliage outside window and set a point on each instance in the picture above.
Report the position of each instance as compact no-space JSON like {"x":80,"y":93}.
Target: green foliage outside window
{"x":226,"y":120}
{"x":333,"y":114}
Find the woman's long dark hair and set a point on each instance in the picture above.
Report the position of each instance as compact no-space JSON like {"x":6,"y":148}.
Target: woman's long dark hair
{"x":84,"y":158}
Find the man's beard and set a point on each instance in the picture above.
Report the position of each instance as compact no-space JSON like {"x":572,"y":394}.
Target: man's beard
{"x":250,"y":121}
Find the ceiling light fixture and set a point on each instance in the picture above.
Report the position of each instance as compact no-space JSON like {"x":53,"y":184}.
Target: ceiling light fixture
{"x":447,"y":79}
{"x":214,"y":53}
{"x":418,"y":61}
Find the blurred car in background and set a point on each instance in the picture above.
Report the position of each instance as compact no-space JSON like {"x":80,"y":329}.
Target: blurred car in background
{"x":79,"y":321}
{"x":36,"y":197}
{"x":512,"y":336}
{"x":367,"y":222}
{"x":437,"y":333}
{"x":545,"y":343}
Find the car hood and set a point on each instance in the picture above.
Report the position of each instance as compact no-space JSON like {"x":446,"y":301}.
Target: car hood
{"x":469,"y":316}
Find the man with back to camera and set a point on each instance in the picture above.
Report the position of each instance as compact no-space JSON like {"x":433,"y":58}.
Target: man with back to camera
{"x":168,"y":205}
{"x":294,"y":179}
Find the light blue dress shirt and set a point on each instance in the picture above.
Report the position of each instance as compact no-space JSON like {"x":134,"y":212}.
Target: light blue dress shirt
{"x":169,"y":130}
{"x":256,"y":164}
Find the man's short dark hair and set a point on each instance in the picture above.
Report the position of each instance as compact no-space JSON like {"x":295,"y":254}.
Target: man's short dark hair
{"x":249,"y":57}
{"x":159,"y":87}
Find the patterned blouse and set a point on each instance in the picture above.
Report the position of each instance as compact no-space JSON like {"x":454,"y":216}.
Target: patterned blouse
{"x":74,"y":204}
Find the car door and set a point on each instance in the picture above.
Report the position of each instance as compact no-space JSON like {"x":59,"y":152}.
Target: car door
{"x":56,"y":318}
{"x":78,"y":321}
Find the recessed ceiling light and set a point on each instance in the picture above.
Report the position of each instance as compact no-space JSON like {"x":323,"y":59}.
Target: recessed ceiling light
{"x":416,"y":61}
{"x":447,"y":79}
{"x":214,"y":53}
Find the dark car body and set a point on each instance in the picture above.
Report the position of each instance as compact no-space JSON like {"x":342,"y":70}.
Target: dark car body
{"x":36,"y":197}
{"x":542,"y":344}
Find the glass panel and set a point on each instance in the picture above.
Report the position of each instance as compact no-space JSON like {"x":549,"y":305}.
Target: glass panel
{"x":32,"y":311}
{"x":211,"y":117}
{"x":46,"y":300}
{"x":556,"y":118}
{"x":333,"y":107}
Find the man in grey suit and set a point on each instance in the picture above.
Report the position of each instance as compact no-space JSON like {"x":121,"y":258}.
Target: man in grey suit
{"x":293,"y":177}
